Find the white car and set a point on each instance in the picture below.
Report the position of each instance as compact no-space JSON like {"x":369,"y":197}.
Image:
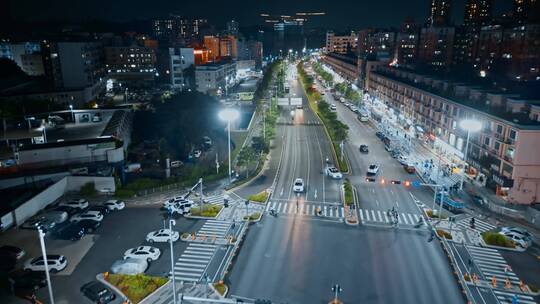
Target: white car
{"x":129,"y":266}
{"x":162,"y":235}
{"x":148,"y":253}
{"x":402,"y":159}
{"x":78,"y":203}
{"x":55,"y":262}
{"x":88,"y":215}
{"x":114,"y":205}
{"x":516,"y":230}
{"x":373,"y":169}
{"x":197,"y":153}
{"x":333,"y":108}
{"x":177,"y":201}
{"x":519,"y":239}
{"x":298,"y":185}
{"x":333,"y":172}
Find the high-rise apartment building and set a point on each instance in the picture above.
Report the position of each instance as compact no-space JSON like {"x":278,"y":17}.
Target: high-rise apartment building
{"x":180,"y":60}
{"x":407,"y":43}
{"x":477,"y":12}
{"x":439,"y":13}
{"x":341,"y":44}
{"x":233,"y":28}
{"x":436,"y":46}
{"x":130,"y":62}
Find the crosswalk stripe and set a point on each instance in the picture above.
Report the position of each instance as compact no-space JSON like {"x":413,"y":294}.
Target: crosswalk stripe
{"x":200,"y":270}
{"x":279,"y":207}
{"x":342,"y":212}
{"x":302,"y":209}
{"x":331,"y":212}
{"x":404,"y":218}
{"x":379,"y":214}
{"x":291,"y":208}
{"x":192,"y":265}
{"x":197,"y":257}
{"x":373,"y":215}
{"x":410,"y":217}
{"x":202,"y":245}
{"x":361,"y":215}
{"x":416,"y":217}
{"x":481,"y":249}
{"x":367,"y":215}
{"x":185,"y":279}
{"x":268,"y":206}
{"x":386,"y":219}
{"x":325,"y":211}
{"x":216,"y":225}
{"x":187,"y":274}
{"x":190,"y":260}
{"x":198,"y":252}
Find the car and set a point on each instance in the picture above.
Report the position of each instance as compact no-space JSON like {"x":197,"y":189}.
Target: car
{"x":26,"y":282}
{"x":395,"y":153}
{"x":355,"y":109}
{"x":99,"y":208}
{"x":373,"y":169}
{"x":379,"y":134}
{"x":162,"y":235}
{"x":388,"y":148}
{"x":69,"y":210}
{"x":402,"y":159}
{"x":519,"y":239}
{"x":88,"y":215}
{"x":69,"y":231}
{"x":96,"y":118}
{"x":333,"y":108}
{"x":129,"y":266}
{"x":175,"y":201}
{"x":342,"y":100}
{"x":364,"y":149}
{"x":298,"y":185}
{"x":207,"y":141}
{"x":11,"y":252}
{"x":148,"y":253}
{"x":409,"y":168}
{"x":89,"y":226}
{"x":97,"y":292}
{"x":176,"y":164}
{"x":55,"y":262}
{"x":114,"y":205}
{"x":56,"y":216}
{"x":197,"y":153}
{"x":334,"y":173}
{"x":299,"y":107}
{"x":35,"y":222}
{"x":78,"y":203}
{"x":479,"y":200}
{"x":517,"y":230}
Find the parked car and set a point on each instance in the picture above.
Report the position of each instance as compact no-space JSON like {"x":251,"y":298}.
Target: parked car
{"x":57,"y":216}
{"x":197,"y":153}
{"x":409,"y":168}
{"x":89,"y":226}
{"x":97,"y":292}
{"x":69,"y":210}
{"x":517,"y":230}
{"x":479,"y":200}
{"x":148,"y":253}
{"x":298,"y":185}
{"x":55,"y":262}
{"x":333,"y":108}
{"x":11,"y":252}
{"x":207,"y":141}
{"x":176,"y":164}
{"x":379,"y":134}
{"x":114,"y":205}
{"x":373,"y":169}
{"x":25,"y":283}
{"x":99,"y":208}
{"x":78,"y":203}
{"x":519,"y":239}
{"x":402,"y":159}
{"x":35,"y":222}
{"x":364,"y":149}
{"x":69,"y":231}
{"x":129,"y":266}
{"x":334,"y":173}
{"x":162,"y":235}
{"x":133,"y":168}
{"x":88,"y":215}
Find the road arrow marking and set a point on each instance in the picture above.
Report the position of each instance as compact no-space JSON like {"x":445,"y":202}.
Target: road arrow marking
{"x":315,"y":195}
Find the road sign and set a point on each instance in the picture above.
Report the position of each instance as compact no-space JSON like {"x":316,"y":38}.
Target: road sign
{"x":415,"y":184}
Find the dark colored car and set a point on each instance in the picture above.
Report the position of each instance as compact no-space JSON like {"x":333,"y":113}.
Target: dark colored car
{"x":12,"y":252}
{"x":69,"y":210}
{"x":97,"y":292}
{"x":25,"y":282}
{"x":379,"y":134}
{"x":364,"y":149}
{"x":89,"y":226}
{"x":103,"y":209}
{"x":69,"y":231}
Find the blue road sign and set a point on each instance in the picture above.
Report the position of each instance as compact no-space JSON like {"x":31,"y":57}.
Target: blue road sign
{"x":415,"y":184}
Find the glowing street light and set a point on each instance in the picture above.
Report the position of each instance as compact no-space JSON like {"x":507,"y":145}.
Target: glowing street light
{"x":470,"y":125}
{"x":229,"y":115}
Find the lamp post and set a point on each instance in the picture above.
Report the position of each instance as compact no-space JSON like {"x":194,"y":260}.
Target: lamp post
{"x":72,"y":115}
{"x":172,"y":223}
{"x":470,"y":125}
{"x":229,"y":115}
{"x":46,"y":264}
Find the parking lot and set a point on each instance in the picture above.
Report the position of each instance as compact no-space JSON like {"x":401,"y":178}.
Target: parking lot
{"x":96,"y":252}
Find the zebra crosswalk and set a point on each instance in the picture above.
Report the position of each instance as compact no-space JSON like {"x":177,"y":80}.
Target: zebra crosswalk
{"x":308,"y":209}
{"x":380,"y":216}
{"x":507,"y":297}
{"x":492,"y":264}
{"x":479,"y":225}
{"x":192,"y":263}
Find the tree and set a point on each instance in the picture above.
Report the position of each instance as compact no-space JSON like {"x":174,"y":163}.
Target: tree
{"x":245,"y":157}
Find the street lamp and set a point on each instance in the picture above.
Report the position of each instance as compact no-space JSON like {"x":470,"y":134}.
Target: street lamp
{"x":172,"y":223}
{"x":41,"y":233}
{"x":72,"y":115}
{"x":229,"y":115}
{"x":470,"y":125}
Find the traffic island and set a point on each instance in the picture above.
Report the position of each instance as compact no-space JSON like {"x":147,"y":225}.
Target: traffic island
{"x":134,"y":288}
{"x":220,"y":288}
{"x":205,"y":211}
{"x":254,"y":217}
{"x":208,"y":239}
{"x":498,"y":241}
{"x":348,"y":197}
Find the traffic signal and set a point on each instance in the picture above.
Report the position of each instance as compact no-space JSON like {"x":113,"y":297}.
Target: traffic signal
{"x":407,"y":183}
{"x":383,"y":181}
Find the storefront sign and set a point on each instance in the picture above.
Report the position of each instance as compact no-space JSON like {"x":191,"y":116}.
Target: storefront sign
{"x":503,"y":181}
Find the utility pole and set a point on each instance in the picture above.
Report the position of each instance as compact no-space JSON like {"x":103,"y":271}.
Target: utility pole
{"x":44,"y":253}
{"x":172,"y":223}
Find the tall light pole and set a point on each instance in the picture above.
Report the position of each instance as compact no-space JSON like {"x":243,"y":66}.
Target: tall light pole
{"x":44,"y":253}
{"x":172,"y":223}
{"x":72,"y":115}
{"x":470,"y":125}
{"x":229,"y":115}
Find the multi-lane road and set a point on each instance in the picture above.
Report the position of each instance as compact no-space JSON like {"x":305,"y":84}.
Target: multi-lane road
{"x":297,"y":256}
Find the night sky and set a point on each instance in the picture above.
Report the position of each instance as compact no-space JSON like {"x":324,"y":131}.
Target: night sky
{"x":341,"y":14}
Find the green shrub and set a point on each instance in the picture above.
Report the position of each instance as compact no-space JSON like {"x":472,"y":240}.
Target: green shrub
{"x":442,"y":233}
{"x":124,"y":193}
{"x":206,"y":210}
{"x":88,"y":189}
{"x":259,"y":197}
{"x":497,"y":239}
{"x":136,"y":287}
{"x":253,"y":217}
{"x":349,"y":200}
{"x":430,"y":214}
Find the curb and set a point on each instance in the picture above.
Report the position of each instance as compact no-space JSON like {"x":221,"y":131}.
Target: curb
{"x":222,"y":296}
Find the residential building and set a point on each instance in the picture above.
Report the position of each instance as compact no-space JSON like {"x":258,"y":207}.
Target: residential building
{"x":228,"y":46}
{"x":212,"y":45}
{"x":233,"y":28}
{"x":439,"y":13}
{"x":165,"y":29}
{"x":379,"y":44}
{"x":526,"y":11}
{"x":251,"y":50}
{"x":288,"y":35}
{"x":27,"y":55}
{"x":431,"y":109}
{"x":346,"y":65}
{"x":341,"y":44}
{"x":215,"y":78}
{"x":407,"y":41}
{"x":130,"y":62}
{"x":180,"y":60}
{"x":477,"y":12}
{"x":436,"y":46}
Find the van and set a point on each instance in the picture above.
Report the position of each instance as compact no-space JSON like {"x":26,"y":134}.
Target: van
{"x":176,"y":163}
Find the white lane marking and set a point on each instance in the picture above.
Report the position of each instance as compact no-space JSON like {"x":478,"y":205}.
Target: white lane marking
{"x":411,"y":217}
{"x":397,"y":204}
{"x":367,"y":215}
{"x":361,"y":215}
{"x":373,"y":213}
{"x":342,"y":212}
{"x":377,"y":201}
{"x":279,"y":207}
{"x":379,"y":214}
